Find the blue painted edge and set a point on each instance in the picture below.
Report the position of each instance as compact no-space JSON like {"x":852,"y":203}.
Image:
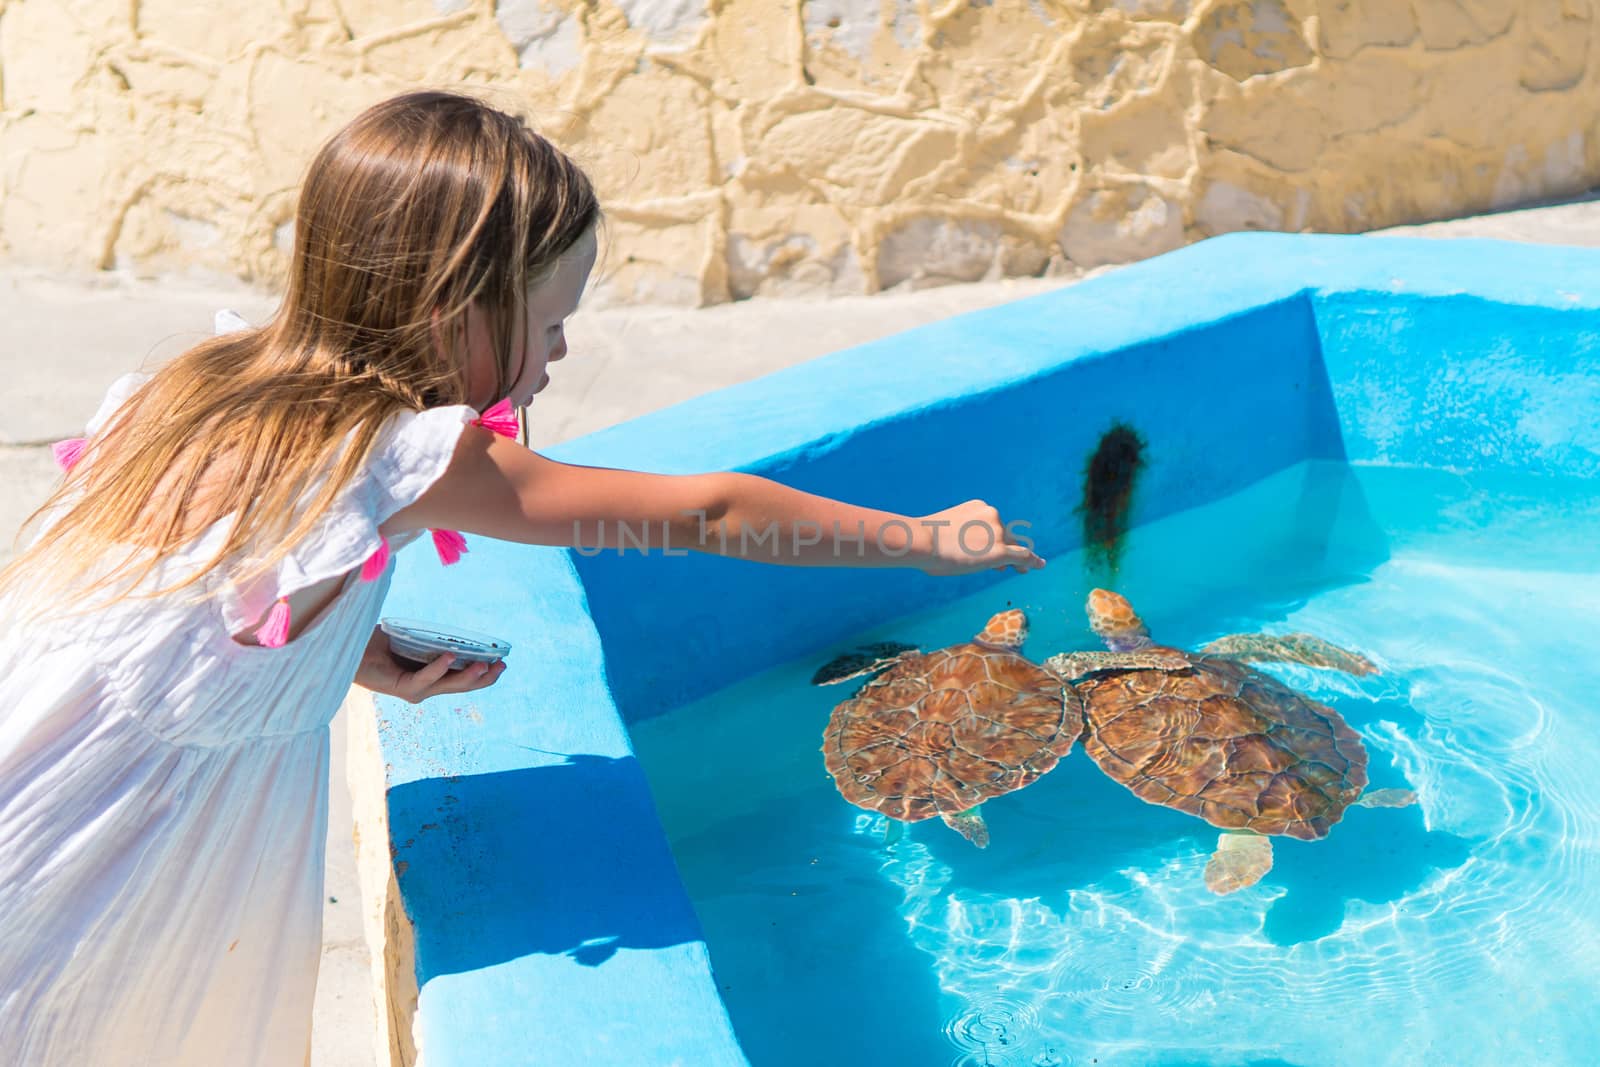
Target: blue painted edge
{"x":544,"y":899}
{"x":986,"y":350}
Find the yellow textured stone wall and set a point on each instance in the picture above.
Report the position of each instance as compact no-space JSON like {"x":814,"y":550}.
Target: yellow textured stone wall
{"x":771,"y":146}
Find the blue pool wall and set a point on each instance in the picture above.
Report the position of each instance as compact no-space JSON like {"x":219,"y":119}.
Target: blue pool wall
{"x":546,"y":907}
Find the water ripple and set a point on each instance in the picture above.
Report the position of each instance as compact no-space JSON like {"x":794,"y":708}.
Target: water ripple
{"x":1496,"y":883}
{"x":990,"y":1028}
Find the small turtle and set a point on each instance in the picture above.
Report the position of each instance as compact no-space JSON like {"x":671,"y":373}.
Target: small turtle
{"x":938,"y":733}
{"x":1222,"y":740}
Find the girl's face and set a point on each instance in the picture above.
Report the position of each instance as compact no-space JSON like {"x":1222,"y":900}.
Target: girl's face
{"x":540,"y":337}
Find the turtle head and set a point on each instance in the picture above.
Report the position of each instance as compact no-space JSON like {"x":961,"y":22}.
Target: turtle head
{"x":1113,"y":619}
{"x":1008,"y":629}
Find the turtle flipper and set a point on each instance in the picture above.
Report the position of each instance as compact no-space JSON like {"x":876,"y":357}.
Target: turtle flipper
{"x":1387,"y":798}
{"x":893,"y":832}
{"x":1241,"y":859}
{"x":1071,"y":666}
{"x":1289,"y":648}
{"x":868,"y":659}
{"x":970,"y":825}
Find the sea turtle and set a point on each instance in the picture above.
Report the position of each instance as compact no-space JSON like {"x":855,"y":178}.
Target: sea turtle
{"x":938,"y":733}
{"x":1222,"y":740}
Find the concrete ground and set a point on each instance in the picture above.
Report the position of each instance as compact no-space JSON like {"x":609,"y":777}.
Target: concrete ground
{"x":66,"y":339}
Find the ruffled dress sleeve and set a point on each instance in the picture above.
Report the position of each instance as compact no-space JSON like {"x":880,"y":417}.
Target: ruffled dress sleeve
{"x":411,"y":452}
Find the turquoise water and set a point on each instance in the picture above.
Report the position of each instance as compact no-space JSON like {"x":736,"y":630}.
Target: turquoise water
{"x":1462,"y":930}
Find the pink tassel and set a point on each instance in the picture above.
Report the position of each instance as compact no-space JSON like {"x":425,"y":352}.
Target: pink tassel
{"x":450,"y":545}
{"x":68,"y":452}
{"x":501,"y":419}
{"x":274,"y":633}
{"x":373,"y":567}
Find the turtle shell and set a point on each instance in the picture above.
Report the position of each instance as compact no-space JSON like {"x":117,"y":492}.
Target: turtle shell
{"x":943,"y":731}
{"x":1230,"y":744}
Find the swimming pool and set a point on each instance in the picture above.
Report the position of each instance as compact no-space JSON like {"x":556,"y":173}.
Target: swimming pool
{"x":1452,"y":932}
{"x":1393,"y":443}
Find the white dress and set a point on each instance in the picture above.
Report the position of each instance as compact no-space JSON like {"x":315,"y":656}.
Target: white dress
{"x":164,"y":800}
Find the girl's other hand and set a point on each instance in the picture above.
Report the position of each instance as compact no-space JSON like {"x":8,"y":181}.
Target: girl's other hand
{"x":971,"y":537}
{"x":381,"y":672}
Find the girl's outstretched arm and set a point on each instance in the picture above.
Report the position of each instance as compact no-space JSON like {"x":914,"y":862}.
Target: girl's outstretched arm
{"x":500,"y":489}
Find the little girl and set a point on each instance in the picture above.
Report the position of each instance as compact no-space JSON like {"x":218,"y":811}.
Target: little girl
{"x":209,"y":574}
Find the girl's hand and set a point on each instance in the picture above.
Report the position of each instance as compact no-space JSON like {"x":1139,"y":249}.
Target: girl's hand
{"x":381,"y":672}
{"x":970,"y":537}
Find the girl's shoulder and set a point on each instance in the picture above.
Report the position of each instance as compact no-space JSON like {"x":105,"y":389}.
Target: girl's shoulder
{"x":412,"y":450}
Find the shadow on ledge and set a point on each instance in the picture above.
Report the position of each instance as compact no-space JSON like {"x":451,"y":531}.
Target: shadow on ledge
{"x":563,"y":859}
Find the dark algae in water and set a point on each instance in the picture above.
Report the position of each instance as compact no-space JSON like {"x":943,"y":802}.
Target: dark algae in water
{"x":1108,"y":484}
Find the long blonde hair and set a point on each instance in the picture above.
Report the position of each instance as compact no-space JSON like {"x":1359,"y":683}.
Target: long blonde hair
{"x":423,"y":205}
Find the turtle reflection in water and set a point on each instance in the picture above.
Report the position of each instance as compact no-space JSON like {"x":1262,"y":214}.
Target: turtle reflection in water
{"x":938,"y":733}
{"x":1221,"y":740}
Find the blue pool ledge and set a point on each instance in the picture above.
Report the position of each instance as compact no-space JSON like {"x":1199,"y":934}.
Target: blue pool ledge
{"x":534,"y":913}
